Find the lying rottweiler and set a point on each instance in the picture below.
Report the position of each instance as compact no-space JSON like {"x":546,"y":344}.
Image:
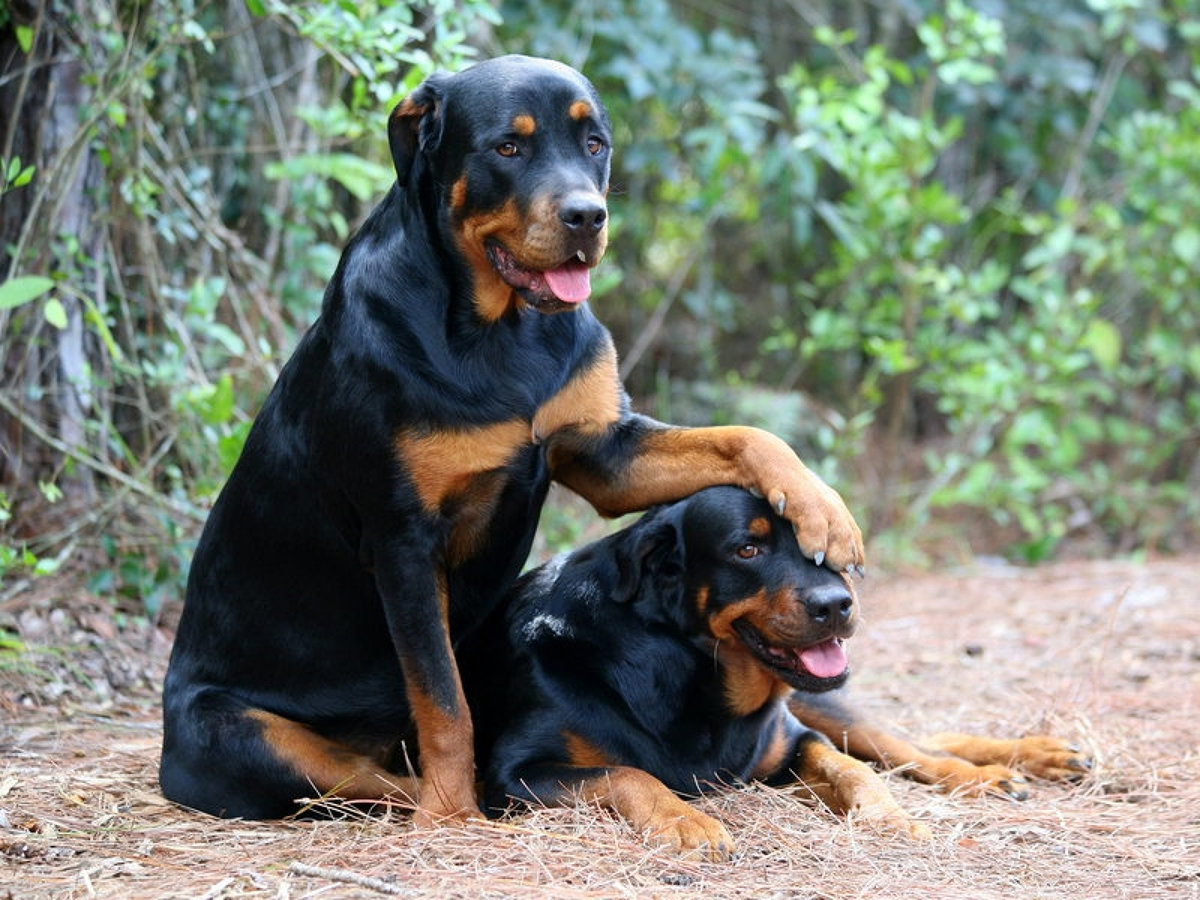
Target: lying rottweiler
{"x":662,"y":660}
{"x":389,"y":489}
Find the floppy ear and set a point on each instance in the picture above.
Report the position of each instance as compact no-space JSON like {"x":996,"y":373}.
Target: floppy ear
{"x":415,"y":125}
{"x":651,"y":562}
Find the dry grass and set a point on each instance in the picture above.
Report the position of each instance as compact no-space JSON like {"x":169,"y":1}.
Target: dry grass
{"x":1106,"y":654}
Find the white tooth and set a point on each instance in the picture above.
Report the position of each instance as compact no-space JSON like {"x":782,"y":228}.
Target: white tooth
{"x":581,"y":256}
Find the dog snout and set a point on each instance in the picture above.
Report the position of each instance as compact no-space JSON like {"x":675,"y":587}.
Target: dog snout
{"x":584,"y":213}
{"x":830,"y":604}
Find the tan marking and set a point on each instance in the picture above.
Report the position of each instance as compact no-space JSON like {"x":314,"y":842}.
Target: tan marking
{"x":493,"y":297}
{"x":582,"y":752}
{"x":849,"y":787}
{"x":759,"y":528}
{"x":751,"y":608}
{"x":524,"y":125}
{"x":442,"y":464}
{"x":408,"y":109}
{"x":651,"y":808}
{"x":983,"y":751}
{"x":445,"y":739}
{"x":580,"y":110}
{"x":447,"y":787}
{"x":458,"y":194}
{"x":474,"y":510}
{"x":1038,"y":754}
{"x":671,"y":463}
{"x":747,"y":684}
{"x":590,"y":402}
{"x":536,"y":241}
{"x":333,"y":769}
{"x":779,"y":616}
{"x":540,"y":242}
{"x":775,"y":755}
{"x":866,"y":741}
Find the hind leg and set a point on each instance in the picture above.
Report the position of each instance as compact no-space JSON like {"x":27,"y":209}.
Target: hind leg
{"x":1040,"y":755}
{"x":226,"y":758}
{"x":952,"y":761}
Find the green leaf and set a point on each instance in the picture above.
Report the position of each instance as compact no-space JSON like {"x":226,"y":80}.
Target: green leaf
{"x":20,"y":290}
{"x":1186,"y":244}
{"x":1193,"y":360}
{"x":229,"y":447}
{"x":11,"y":644}
{"x":361,"y":177}
{"x":93,"y":317}
{"x":117,"y":114}
{"x":219,"y":406}
{"x":55,"y":313}
{"x":1103,"y":341}
{"x":24,"y":38}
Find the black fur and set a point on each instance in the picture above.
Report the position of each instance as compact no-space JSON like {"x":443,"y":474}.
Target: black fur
{"x":390,"y":487}
{"x":614,"y":644}
{"x":315,"y":572}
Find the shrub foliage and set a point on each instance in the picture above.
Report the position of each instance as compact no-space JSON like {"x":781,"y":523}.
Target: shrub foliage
{"x":947,"y":248}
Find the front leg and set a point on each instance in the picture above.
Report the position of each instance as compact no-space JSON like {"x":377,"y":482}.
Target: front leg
{"x":637,"y":462}
{"x":649,"y":806}
{"x":417,"y":605}
{"x":852,"y":788}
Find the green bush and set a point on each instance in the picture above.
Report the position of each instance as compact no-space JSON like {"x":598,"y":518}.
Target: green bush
{"x":949,"y":255}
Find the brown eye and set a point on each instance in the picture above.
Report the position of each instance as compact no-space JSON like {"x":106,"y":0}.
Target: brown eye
{"x":508,"y":148}
{"x":595,"y":146}
{"x":748,"y":551}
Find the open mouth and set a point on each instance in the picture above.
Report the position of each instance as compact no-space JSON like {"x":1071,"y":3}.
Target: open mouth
{"x":819,"y":667}
{"x":567,"y":284}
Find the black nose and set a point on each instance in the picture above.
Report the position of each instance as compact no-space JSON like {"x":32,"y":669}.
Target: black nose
{"x":829,"y":604}
{"x":583,"y":213}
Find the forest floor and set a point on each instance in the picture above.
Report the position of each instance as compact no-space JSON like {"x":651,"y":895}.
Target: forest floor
{"x":1105,"y":654}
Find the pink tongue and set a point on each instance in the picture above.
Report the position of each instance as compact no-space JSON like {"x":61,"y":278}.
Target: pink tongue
{"x":826,"y":660}
{"x":570,"y":282}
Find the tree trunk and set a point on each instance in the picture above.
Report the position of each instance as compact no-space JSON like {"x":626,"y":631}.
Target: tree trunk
{"x":46,"y":227}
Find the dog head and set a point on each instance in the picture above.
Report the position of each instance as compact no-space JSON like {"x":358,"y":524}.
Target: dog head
{"x":516,"y":152}
{"x":722,"y":568}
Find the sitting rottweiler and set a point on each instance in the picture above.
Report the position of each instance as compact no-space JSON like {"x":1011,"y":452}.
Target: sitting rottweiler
{"x":662,"y":660}
{"x":390,"y":487}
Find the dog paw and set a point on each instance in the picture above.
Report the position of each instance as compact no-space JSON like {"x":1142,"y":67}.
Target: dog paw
{"x":1001,"y":781}
{"x":892,"y":821}
{"x":957,"y":776}
{"x":1050,"y":758}
{"x":825,"y":530}
{"x":692,"y":834}
{"x":438,"y":818}
{"x":437,"y":808}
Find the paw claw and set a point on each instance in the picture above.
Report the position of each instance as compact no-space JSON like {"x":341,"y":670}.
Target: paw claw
{"x":819,"y":557}
{"x":1015,"y":788}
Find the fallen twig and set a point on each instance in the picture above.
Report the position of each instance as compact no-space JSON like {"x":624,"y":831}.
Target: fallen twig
{"x":344,"y":875}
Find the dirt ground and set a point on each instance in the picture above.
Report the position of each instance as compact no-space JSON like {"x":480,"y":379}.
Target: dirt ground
{"x":1104,"y":654}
